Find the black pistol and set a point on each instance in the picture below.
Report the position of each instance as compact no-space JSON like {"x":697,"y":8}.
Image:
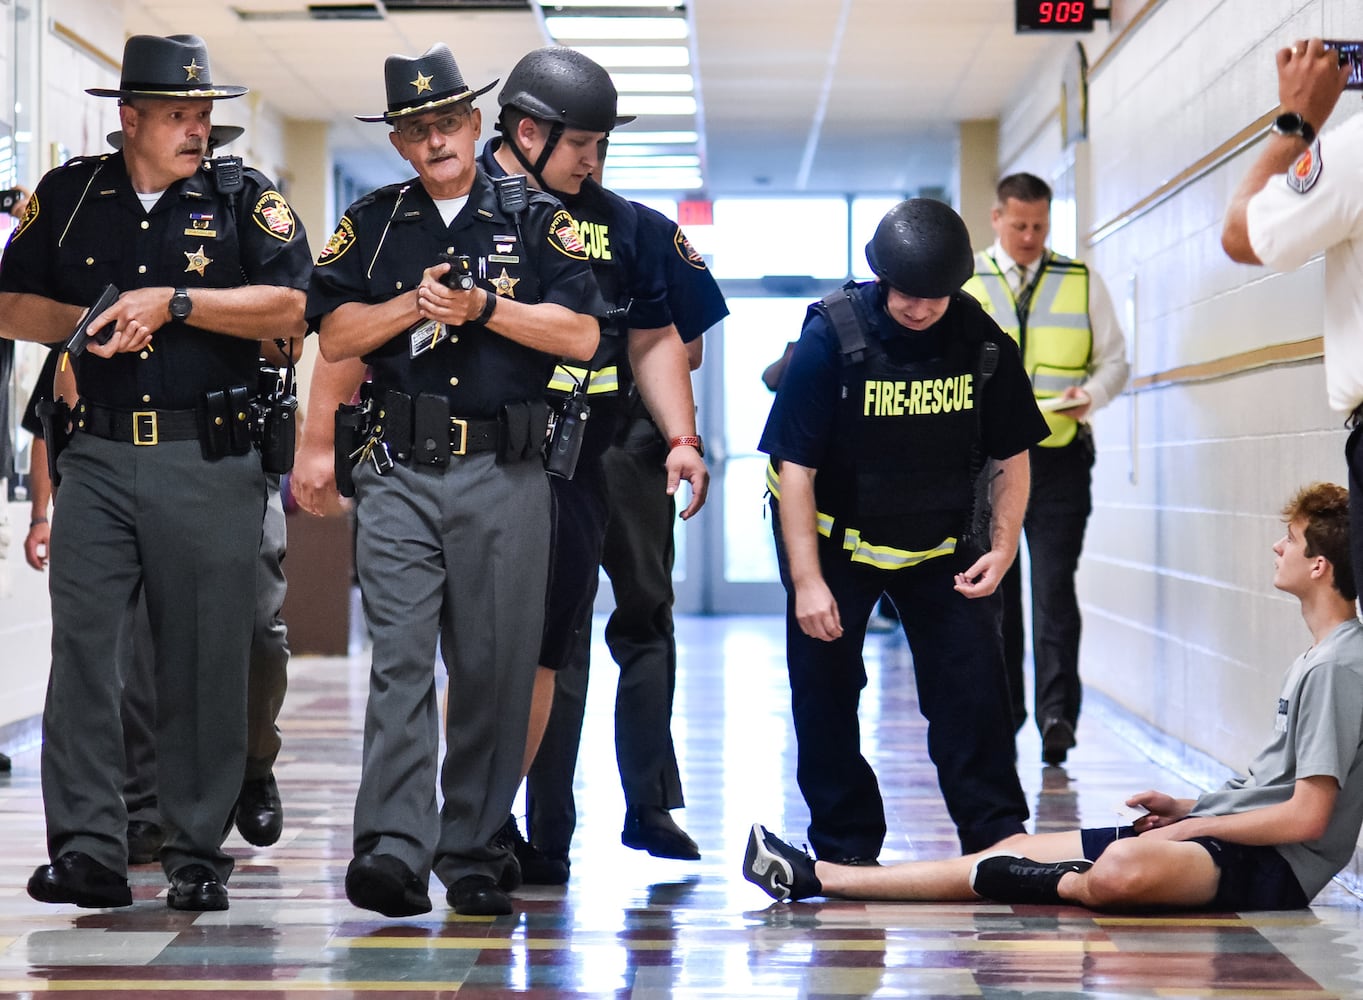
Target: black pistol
{"x":460,"y":274}
{"x":81,"y":336}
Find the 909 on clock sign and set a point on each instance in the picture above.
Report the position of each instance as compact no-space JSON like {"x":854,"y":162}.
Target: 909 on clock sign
{"x":1052,"y":15}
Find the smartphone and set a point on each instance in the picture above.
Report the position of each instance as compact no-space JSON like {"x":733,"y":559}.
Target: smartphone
{"x":10,"y":198}
{"x":1350,"y":52}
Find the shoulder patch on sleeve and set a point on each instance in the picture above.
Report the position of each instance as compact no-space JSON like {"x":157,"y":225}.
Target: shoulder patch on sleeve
{"x":1303,"y":174}
{"x":27,"y":219}
{"x":273,"y":215}
{"x":564,"y":237}
{"x":687,"y":251}
{"x":339,"y":242}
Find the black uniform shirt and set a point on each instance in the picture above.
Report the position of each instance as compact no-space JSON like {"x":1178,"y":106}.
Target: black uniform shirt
{"x":389,"y":237}
{"x":85,"y":228}
{"x":693,"y":296}
{"x":628,"y":271}
{"x":803,"y":418}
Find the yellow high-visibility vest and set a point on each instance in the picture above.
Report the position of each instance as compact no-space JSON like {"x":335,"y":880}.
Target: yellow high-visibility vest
{"x":1055,"y":336}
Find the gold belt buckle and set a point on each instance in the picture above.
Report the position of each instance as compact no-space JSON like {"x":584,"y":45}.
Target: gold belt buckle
{"x":144,"y":427}
{"x":462,"y":446}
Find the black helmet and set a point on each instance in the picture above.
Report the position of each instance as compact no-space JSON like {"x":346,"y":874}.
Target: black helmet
{"x":922,"y":249}
{"x":559,"y":84}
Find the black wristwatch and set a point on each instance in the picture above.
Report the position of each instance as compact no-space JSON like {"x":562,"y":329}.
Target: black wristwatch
{"x":180,"y":305}
{"x":1291,"y":123}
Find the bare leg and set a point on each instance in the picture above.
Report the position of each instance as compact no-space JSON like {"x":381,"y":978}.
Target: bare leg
{"x":541,"y":701}
{"x":1133,"y":874}
{"x":1141,"y":873}
{"x":946,"y":880}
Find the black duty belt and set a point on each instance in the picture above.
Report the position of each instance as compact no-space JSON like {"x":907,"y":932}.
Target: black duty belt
{"x":137,"y":426}
{"x":473,"y":435}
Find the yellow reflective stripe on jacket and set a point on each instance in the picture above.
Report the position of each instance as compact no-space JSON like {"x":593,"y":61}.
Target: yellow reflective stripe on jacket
{"x":1058,"y":343}
{"x":567,"y":377}
{"x":888,"y":557}
{"x":824,"y":521}
{"x":879,"y":556}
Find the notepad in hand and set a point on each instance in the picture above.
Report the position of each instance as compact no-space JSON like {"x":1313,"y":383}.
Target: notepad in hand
{"x":1060,"y":403}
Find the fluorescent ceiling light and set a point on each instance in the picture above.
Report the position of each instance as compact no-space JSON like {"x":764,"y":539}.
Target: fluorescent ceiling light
{"x":621,"y":151}
{"x":653,"y":83}
{"x":623,"y":161}
{"x":640,"y":28}
{"x":629,"y":137}
{"x":637,"y":56}
{"x":551,"y":4}
{"x":653,"y":180}
{"x":654,"y":104}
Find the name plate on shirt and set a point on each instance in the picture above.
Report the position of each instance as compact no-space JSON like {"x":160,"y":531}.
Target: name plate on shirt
{"x":424,"y":336}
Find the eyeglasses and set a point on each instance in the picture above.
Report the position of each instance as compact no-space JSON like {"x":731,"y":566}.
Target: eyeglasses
{"x":450,"y":124}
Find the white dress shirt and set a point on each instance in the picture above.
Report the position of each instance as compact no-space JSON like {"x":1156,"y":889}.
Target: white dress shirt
{"x":1108,"y":370}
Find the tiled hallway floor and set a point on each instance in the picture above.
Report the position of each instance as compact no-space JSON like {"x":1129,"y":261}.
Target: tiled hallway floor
{"x":633,"y":926}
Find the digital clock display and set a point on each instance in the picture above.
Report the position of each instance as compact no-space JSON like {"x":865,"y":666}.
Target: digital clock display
{"x":1053,"y":15}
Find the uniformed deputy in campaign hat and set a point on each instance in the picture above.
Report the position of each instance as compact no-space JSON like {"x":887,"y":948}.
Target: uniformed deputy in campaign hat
{"x":171,"y":67}
{"x":422,"y":83}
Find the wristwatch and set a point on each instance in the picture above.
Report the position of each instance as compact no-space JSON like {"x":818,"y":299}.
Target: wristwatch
{"x":1291,"y":123}
{"x":180,"y":305}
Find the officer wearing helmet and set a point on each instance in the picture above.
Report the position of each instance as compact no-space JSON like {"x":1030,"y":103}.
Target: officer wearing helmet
{"x":557,"y":109}
{"x":901,"y":396}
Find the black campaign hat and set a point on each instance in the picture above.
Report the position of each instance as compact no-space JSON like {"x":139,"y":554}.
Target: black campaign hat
{"x":175,"y":66}
{"x":420,"y":83}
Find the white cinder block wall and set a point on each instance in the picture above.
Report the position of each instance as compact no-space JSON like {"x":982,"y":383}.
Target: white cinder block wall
{"x":1181,"y":623}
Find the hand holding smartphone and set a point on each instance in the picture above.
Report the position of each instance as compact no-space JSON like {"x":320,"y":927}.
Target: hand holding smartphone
{"x":1350,"y":52}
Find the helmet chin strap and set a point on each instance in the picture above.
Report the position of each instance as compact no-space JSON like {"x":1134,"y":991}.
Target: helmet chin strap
{"x":536,"y":169}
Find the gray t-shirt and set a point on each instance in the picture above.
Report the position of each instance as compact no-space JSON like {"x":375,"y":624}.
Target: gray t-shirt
{"x":1318,"y":730}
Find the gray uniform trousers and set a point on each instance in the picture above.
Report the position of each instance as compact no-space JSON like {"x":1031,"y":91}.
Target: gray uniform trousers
{"x":461,"y":554}
{"x":637,"y":555}
{"x":266,"y":683}
{"x":187,"y":531}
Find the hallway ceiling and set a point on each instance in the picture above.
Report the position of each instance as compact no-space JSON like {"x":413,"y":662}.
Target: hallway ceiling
{"x":796,"y":95}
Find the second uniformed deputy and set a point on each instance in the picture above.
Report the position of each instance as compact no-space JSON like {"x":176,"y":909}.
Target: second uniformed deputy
{"x":452,"y":502}
{"x":161,"y":488}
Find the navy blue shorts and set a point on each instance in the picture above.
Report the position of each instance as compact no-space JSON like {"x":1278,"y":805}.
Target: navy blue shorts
{"x":1252,"y":878}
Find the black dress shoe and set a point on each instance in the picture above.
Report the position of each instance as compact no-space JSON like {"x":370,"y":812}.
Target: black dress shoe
{"x":145,"y":841}
{"x":1057,"y":737}
{"x":652,"y":829}
{"x":196,"y":887}
{"x":260,"y":814}
{"x":533,"y":865}
{"x":478,"y":896}
{"x":382,"y":883}
{"x":78,"y":878}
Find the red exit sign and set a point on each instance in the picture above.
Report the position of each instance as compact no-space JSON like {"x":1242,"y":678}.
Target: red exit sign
{"x":695,"y":213}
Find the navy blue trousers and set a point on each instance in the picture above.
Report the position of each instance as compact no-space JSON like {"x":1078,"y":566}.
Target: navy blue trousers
{"x":958,"y":665}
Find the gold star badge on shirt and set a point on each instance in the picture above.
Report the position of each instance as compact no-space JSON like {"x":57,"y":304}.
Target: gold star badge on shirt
{"x":422,"y":83}
{"x":505,"y":284}
{"x":198,"y":260}
{"x":192,"y":70}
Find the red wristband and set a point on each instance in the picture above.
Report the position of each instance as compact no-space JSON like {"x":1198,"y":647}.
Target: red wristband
{"x":688,"y":439}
